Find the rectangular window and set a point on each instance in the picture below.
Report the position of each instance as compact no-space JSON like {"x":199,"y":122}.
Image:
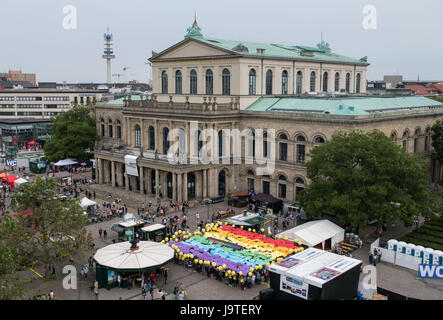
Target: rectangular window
{"x":250,"y":185}
{"x":283,"y":152}
{"x":415,"y":145}
{"x":266,"y":187}
{"x":282,"y":191}
{"x":300,"y":153}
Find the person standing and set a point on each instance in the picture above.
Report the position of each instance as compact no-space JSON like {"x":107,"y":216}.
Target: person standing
{"x":181,"y":296}
{"x":119,"y":280}
{"x":105,"y":234}
{"x":176,"y":291}
{"x":96,"y":288}
{"x":51,"y":295}
{"x":166,"y":274}
{"x":100,"y":232}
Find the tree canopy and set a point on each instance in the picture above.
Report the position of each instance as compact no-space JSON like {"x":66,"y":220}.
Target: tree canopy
{"x":437,"y":139}
{"x":54,"y":227}
{"x":361,"y":177}
{"x":73,"y":135}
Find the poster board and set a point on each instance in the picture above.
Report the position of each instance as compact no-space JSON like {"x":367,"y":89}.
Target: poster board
{"x":295,"y":287}
{"x":131,"y":165}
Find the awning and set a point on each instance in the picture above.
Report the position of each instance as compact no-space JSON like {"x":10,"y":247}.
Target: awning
{"x":119,"y":256}
{"x":315,"y":232}
{"x":85,"y":202}
{"x":66,"y":162}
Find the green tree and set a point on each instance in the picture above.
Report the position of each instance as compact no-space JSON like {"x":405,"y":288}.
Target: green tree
{"x":361,"y":177}
{"x":12,"y":286}
{"x":437,"y":139}
{"x":73,"y":135}
{"x":55,"y":227}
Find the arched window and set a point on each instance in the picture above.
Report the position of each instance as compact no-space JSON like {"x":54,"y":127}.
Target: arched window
{"x":269,"y":82}
{"x":319,"y":140}
{"x":137,"y":136}
{"x":394,"y":136}
{"x":312,"y":84}
{"x":222,"y":183}
{"x":221,"y":143}
{"x":250,"y":140}
{"x":348,"y":82}
{"x":151,"y":138}
{"x":165,"y":140}
{"x":357,"y":85}
{"x":250,"y":172}
{"x":209,"y":82}
{"x":119,"y":130}
{"x":299,"y":82}
{"x":428,"y":131}
{"x":282,"y":187}
{"x":164,"y":82}
{"x":226,"y":82}
{"x":193,"y":82}
{"x":337,"y":82}
{"x":301,"y":149}
{"x":325,"y":82}
{"x":252,"y":81}
{"x":299,"y":186}
{"x":284,"y":82}
{"x":110,"y":133}
{"x":178,"y":82}
{"x":283,"y":154}
{"x":198,"y":142}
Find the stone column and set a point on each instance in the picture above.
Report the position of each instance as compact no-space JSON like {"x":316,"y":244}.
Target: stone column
{"x":127,"y":181}
{"x":142,"y":180}
{"x":185,"y":186}
{"x":113,"y":173}
{"x":205,"y":190}
{"x":157,"y":180}
{"x":148,"y":184}
{"x":101,"y":170}
{"x":179,"y":188}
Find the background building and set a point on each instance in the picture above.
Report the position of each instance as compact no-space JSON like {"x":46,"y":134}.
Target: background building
{"x":17,"y":75}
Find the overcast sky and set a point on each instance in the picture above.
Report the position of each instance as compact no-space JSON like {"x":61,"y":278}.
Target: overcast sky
{"x":407,"y":40}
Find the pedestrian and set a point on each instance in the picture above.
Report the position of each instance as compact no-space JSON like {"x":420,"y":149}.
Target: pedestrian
{"x":176,"y":291}
{"x":51,"y":295}
{"x":166,"y":274}
{"x":96,"y":287}
{"x":105,"y":234}
{"x":370,"y":256}
{"x":100,"y":232}
{"x":144,"y":293}
{"x":94,"y":195}
{"x":181,"y":296}
{"x":119,"y":280}
{"x":152,"y":293}
{"x":160,"y":294}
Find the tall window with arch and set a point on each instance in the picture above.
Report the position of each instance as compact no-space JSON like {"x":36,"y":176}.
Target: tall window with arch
{"x":312,"y":84}
{"x":209,"y":81}
{"x":226,"y":82}
{"x":284,"y":82}
{"x":337,"y":82}
{"x":164,"y":82}
{"x":119,"y":129}
{"x":283,"y":147}
{"x":165,"y":140}
{"x":193,"y":82}
{"x":252,"y":82}
{"x":348,"y":82}
{"x":250,"y":141}
{"x":269,"y":82}
{"x":301,"y":149}
{"x":151,"y":138}
{"x":178,"y":82}
{"x":221,"y":143}
{"x":319,"y":140}
{"x":265,"y":145}
{"x":110,"y":127}
{"x":299,"y":82}
{"x":325,"y":82}
{"x":282,"y":186}
{"x":198,"y":142}
{"x":299,"y":186}
{"x":358,"y":83}
{"x":137,"y":136}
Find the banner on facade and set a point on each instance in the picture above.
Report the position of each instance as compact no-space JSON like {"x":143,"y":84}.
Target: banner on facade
{"x":131,"y":165}
{"x":293,"y":286}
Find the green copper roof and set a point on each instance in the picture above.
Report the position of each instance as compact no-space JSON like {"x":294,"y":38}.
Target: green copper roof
{"x":345,"y":106}
{"x":320,"y":53}
{"x":120,"y":100}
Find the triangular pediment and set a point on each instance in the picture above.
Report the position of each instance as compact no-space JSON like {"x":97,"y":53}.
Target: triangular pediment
{"x":190,"y":48}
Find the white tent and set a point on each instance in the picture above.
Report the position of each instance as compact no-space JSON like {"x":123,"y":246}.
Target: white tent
{"x":119,"y":256}
{"x":19,"y":182}
{"x":315,"y":232}
{"x":85,"y":203}
{"x":66,"y":162}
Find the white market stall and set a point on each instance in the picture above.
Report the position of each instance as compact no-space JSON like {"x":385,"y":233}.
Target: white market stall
{"x":65,"y":162}
{"x":85,"y":203}
{"x":19,"y":182}
{"x":126,"y":260}
{"x":314,"y":274}
{"x":316,"y":232}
